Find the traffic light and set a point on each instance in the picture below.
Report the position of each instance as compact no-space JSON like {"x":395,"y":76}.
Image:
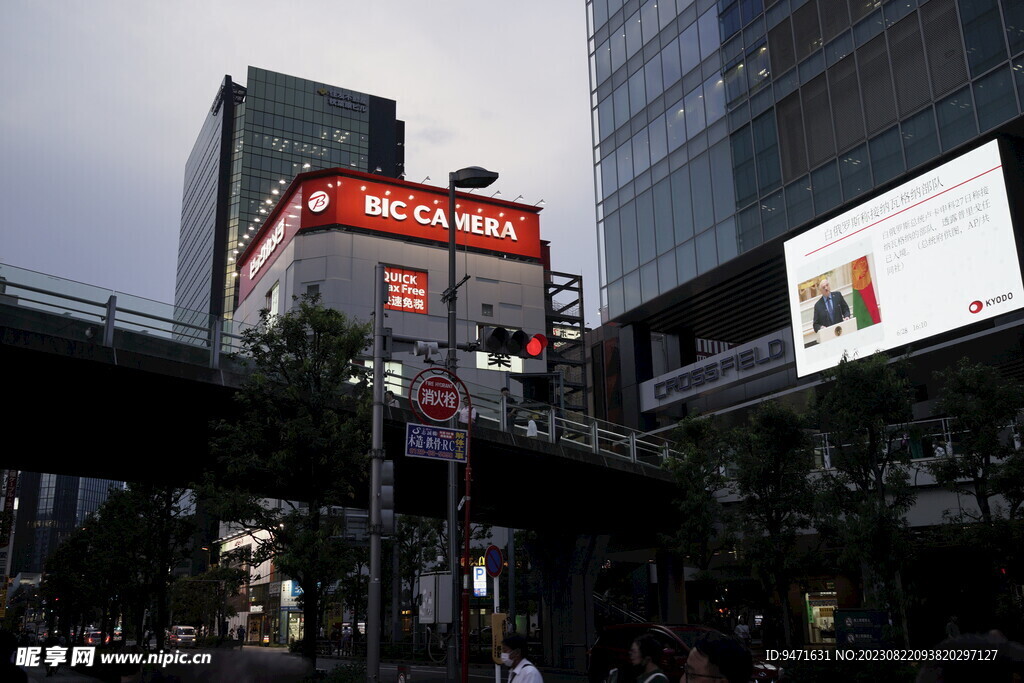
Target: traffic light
{"x":501,"y":340}
{"x":387,"y":497}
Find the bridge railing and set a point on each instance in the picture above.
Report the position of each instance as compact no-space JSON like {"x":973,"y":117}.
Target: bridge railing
{"x":105,"y":316}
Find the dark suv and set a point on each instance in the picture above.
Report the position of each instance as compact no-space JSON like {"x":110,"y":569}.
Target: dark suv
{"x":611,"y":651}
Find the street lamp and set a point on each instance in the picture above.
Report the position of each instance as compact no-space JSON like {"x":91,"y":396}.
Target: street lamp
{"x":469,"y":177}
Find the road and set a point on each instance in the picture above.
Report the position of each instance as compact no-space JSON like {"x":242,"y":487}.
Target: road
{"x":277,"y":665}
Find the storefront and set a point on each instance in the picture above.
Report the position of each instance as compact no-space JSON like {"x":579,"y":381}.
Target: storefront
{"x":291,"y":616}
{"x":263,"y":622}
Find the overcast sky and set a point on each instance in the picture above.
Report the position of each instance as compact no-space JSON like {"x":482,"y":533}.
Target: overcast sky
{"x":101,"y":102}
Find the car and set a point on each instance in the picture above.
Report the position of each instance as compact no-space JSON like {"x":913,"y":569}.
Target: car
{"x":181,"y":636}
{"x":93,"y":637}
{"x":611,"y":651}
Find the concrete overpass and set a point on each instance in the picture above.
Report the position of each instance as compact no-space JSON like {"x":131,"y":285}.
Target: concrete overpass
{"x":106,"y":385}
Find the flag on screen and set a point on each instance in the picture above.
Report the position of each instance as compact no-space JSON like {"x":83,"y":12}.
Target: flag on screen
{"x":865,"y":307}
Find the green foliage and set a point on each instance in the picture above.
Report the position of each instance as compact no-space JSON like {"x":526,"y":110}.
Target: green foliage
{"x":865,"y":497}
{"x":981,"y":404}
{"x":772,"y":458}
{"x":301,"y":433}
{"x":203,"y":599}
{"x":121,"y":560}
{"x":699,"y":474}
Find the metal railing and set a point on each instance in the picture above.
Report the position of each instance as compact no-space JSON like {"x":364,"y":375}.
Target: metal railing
{"x":118,"y":320}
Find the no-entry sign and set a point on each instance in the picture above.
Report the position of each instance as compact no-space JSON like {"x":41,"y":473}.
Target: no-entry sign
{"x":438,"y":398}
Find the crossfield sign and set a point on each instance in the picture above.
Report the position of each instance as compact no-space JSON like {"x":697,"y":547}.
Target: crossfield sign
{"x":407,"y":290}
{"x":438,"y":398}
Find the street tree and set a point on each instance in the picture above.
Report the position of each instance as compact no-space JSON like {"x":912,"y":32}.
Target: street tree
{"x":772,"y":458}
{"x":121,"y":560}
{"x":205,"y":599}
{"x":865,"y":408}
{"x":698,"y":466}
{"x":300,"y":434}
{"x":981,"y":404}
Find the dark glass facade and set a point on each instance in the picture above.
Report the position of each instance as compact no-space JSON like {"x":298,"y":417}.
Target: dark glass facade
{"x":50,"y":507}
{"x":720,"y":126}
{"x":723,"y":127}
{"x":255,"y":139}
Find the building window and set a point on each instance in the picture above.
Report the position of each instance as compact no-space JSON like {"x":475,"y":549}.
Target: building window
{"x":273,"y":300}
{"x":994,"y":98}
{"x":919,"y":140}
{"x":487,"y":310}
{"x":313,"y":290}
{"x":956,"y":119}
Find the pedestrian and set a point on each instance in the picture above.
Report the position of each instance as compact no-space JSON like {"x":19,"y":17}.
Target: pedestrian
{"x":389,"y":402}
{"x":645,"y":653}
{"x":513,"y":655}
{"x":231,"y":635}
{"x":147,"y":638}
{"x":464,"y":415}
{"x":510,"y":408}
{"x":719,"y":657}
{"x":531,"y":426}
{"x":742,"y":632}
{"x":953,"y":627}
{"x":241,"y":637}
{"x":9,"y":671}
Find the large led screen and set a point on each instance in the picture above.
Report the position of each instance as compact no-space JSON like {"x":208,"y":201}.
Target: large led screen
{"x":931,"y":255}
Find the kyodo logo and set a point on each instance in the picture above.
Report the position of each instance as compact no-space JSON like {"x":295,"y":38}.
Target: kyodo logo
{"x":318,"y":201}
{"x":978,"y":306}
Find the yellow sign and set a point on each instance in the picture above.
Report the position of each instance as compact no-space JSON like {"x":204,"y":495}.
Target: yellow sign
{"x":499,"y":624}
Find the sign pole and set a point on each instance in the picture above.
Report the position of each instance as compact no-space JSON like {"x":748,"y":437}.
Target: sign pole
{"x":451,"y":364}
{"x":373,"y":625}
{"x":497,"y":667}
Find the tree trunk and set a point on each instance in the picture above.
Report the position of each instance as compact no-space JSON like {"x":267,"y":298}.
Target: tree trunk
{"x":310,"y":603}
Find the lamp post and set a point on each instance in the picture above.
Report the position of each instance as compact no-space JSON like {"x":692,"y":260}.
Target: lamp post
{"x":469,"y":177}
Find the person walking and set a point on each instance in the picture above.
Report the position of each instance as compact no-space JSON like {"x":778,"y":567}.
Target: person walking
{"x":645,"y":653}
{"x":742,"y":632}
{"x":513,"y":655}
{"x":241,"y":637}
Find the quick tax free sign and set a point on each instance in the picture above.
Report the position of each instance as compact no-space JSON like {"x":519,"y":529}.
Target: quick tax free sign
{"x":407,"y":290}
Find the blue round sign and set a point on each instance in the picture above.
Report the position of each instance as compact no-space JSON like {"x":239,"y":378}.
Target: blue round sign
{"x":493,"y":561}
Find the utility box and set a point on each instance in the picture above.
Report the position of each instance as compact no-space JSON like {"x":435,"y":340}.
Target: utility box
{"x":435,"y":598}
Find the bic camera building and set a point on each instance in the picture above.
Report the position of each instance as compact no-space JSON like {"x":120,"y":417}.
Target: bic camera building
{"x":747,"y":150}
{"x":255,"y":139}
{"x":331,"y":228}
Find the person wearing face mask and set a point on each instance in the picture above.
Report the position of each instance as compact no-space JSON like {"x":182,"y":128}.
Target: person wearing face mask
{"x":513,"y":655}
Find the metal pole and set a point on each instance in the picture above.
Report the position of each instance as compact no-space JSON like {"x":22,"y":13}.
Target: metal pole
{"x":465,"y":553}
{"x":373,"y":625}
{"x":453,"y":478}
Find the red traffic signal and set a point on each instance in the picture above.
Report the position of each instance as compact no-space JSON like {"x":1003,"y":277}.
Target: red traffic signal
{"x":508,"y":342}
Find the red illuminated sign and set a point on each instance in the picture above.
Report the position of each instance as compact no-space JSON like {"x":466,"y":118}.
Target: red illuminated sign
{"x":361,"y":201}
{"x":407,"y":290}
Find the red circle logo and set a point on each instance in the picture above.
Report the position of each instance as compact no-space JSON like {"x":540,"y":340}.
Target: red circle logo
{"x":438,"y":398}
{"x":318,"y":201}
{"x":976,"y":307}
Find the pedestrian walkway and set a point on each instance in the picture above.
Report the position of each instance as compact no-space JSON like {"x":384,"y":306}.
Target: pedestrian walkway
{"x":37,"y":674}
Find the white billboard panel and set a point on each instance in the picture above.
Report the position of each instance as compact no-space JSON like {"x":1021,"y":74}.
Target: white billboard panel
{"x":936,"y":253}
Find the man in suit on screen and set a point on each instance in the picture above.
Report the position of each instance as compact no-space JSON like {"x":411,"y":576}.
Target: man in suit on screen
{"x":831,"y":308}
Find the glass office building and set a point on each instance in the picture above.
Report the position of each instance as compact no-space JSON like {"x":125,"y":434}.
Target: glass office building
{"x":720,"y":126}
{"x":50,"y":507}
{"x":255,"y":139}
